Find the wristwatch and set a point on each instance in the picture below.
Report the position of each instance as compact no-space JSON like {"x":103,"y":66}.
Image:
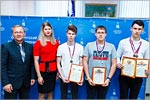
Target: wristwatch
{"x":108,"y":78}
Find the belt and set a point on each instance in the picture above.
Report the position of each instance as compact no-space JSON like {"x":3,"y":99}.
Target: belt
{"x":47,"y":69}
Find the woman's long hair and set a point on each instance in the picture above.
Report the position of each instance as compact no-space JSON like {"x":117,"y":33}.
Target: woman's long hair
{"x":41,"y":35}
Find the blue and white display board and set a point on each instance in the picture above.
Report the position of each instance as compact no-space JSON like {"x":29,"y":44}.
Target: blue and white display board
{"x":117,"y":29}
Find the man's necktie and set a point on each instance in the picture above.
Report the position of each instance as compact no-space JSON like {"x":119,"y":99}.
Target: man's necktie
{"x":22,"y":53}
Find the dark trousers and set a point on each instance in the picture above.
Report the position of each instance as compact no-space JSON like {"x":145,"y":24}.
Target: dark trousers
{"x":98,"y":92}
{"x":64,"y":89}
{"x":129,"y":84}
{"x":23,"y":93}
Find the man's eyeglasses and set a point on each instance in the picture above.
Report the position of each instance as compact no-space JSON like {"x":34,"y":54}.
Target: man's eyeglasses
{"x":100,"y":32}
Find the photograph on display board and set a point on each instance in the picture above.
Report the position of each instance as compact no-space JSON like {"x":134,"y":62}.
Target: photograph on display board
{"x":100,"y":10}
{"x":85,"y":30}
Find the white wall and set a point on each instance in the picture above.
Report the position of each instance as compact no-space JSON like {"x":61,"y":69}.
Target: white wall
{"x":125,"y":8}
{"x":135,"y":9}
{"x":51,"y":8}
{"x":17,"y":7}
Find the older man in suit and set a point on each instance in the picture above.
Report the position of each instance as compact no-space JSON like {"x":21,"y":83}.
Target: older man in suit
{"x":17,"y":66}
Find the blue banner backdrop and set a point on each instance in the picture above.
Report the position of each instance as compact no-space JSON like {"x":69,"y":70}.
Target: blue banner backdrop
{"x":117,"y":29}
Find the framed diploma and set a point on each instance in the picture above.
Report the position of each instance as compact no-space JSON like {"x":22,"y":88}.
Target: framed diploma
{"x":134,"y":67}
{"x":141,"y":66}
{"x":129,"y":67}
{"x":99,"y":75}
{"x":76,"y":73}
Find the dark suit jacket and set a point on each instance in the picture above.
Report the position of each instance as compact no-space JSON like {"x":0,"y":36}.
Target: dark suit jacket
{"x":13,"y":69}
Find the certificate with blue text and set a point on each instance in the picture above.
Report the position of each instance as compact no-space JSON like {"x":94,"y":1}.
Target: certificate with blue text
{"x":141,"y":66}
{"x":129,"y":67}
{"x":99,"y":75}
{"x":134,"y":67}
{"x":76,"y":73}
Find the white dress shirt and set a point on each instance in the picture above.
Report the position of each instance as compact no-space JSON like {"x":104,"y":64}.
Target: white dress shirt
{"x":125,"y":49}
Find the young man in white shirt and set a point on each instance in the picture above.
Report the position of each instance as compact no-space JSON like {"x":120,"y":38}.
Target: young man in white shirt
{"x":133,"y":46}
{"x":69,"y":53}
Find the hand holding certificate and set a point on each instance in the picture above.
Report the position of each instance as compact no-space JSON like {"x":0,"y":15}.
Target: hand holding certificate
{"x":134,"y":67}
{"x":142,"y":65}
{"x":99,"y":75}
{"x":129,"y":65}
{"x":76,"y":73}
